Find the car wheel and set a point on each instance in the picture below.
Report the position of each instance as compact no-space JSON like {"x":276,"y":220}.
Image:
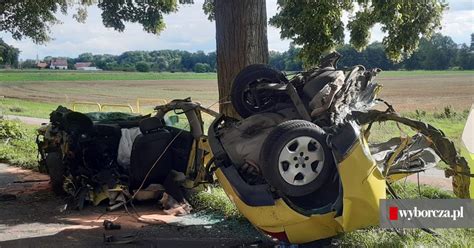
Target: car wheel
{"x":245,"y":98}
{"x":295,"y":158}
{"x":55,"y":167}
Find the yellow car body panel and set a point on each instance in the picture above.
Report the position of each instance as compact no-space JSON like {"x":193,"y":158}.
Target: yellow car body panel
{"x":470,"y":161}
{"x":274,"y":216}
{"x":363,"y":187}
{"x":316,"y":227}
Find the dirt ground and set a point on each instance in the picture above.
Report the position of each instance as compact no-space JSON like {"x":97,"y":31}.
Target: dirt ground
{"x":406,"y":93}
{"x":34,"y":218}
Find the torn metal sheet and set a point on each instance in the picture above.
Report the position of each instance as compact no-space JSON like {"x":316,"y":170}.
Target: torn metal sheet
{"x":404,"y":155}
{"x":443,"y":147}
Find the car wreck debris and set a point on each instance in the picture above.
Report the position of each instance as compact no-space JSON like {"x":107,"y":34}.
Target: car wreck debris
{"x":298,"y":166}
{"x":109,"y":225}
{"x":117,"y":157}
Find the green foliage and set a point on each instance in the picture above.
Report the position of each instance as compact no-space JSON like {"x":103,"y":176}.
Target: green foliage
{"x":208,"y":8}
{"x":286,"y":61}
{"x":11,"y":130}
{"x":201,"y":67}
{"x":39,"y":17}
{"x":8,"y":54}
{"x":30,"y":19}
{"x":28,"y":64}
{"x":148,"y":13}
{"x":317,"y":25}
{"x":438,"y":53}
{"x":17,"y":144}
{"x":142,"y":67}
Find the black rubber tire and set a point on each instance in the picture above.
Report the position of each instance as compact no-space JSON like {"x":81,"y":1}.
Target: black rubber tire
{"x":248,"y":75}
{"x":275,"y":142}
{"x":55,"y":167}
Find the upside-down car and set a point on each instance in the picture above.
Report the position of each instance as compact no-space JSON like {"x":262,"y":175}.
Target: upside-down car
{"x":301,"y":171}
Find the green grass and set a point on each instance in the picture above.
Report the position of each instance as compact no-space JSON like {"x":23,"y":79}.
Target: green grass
{"x":375,"y":237}
{"x":215,"y":200}
{"x":47,"y":75}
{"x":19,"y":107}
{"x":9,"y":106}
{"x":421,"y":73}
{"x":9,"y":76}
{"x":452,"y":125}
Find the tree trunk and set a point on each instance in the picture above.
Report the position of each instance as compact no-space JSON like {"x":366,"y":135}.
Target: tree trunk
{"x":241,"y":38}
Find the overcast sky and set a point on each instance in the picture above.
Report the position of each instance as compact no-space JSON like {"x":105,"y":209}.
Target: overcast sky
{"x":189,"y":29}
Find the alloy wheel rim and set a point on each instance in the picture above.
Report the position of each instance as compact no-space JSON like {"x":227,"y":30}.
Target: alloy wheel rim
{"x":301,"y":161}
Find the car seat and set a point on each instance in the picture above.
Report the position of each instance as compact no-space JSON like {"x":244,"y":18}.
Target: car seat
{"x":146,"y":149}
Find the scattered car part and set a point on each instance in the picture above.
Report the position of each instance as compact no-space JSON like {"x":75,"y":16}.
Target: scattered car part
{"x":110,"y":225}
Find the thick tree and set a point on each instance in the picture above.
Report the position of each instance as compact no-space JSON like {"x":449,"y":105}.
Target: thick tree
{"x":241,"y":25}
{"x":241,"y":39}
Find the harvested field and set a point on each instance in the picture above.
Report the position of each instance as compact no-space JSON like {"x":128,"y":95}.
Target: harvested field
{"x":406,"y":91}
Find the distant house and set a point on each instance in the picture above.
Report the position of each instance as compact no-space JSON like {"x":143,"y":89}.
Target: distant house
{"x":89,"y":68}
{"x":41,"y":65}
{"x":85,"y":66}
{"x":60,"y":64}
{"x":80,"y":65}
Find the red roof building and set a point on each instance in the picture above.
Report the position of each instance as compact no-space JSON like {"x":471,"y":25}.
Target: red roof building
{"x":58,"y":64}
{"x":80,"y":65}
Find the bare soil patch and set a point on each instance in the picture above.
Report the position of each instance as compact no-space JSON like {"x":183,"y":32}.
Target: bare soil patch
{"x":429,"y":92}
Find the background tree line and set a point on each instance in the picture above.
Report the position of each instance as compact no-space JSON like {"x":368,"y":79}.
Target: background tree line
{"x":438,"y":53}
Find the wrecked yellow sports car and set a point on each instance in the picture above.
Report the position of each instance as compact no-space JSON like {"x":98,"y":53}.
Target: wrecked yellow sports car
{"x":298,"y":165}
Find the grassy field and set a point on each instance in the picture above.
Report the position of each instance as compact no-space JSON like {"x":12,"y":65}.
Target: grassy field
{"x":58,"y":75}
{"x":51,"y":75}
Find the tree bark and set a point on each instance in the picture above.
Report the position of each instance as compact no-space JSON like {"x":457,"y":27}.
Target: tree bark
{"x":241,"y":39}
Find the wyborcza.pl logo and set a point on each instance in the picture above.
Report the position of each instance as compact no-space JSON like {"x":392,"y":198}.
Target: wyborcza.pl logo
{"x":429,"y":213}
